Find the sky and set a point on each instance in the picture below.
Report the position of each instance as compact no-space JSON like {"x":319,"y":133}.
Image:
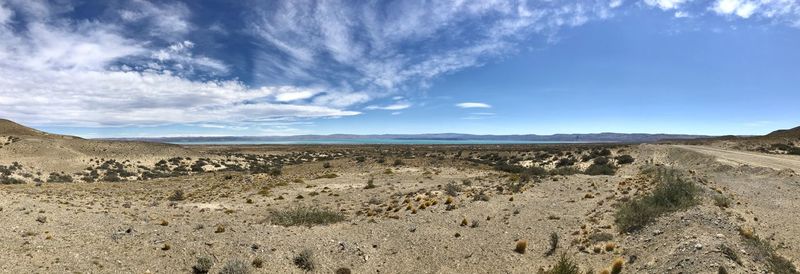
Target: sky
{"x":248,"y":68}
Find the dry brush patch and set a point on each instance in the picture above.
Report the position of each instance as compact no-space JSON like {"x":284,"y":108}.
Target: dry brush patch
{"x":672,"y":193}
{"x":305,"y":216}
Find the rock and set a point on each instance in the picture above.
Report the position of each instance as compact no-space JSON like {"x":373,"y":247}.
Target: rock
{"x":698,"y":246}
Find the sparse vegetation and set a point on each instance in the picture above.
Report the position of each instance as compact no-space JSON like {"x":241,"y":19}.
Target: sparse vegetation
{"x":177,"y":196}
{"x":730,"y":253}
{"x":763,"y":251}
{"x":235,"y":267}
{"x":565,"y":265}
{"x":305,"y":260}
{"x":553,"y":244}
{"x":59,"y":178}
{"x":452,"y":189}
{"x":370,"y":184}
{"x":671,"y":193}
{"x":303,"y":216}
{"x":722,"y":201}
{"x":203,"y":265}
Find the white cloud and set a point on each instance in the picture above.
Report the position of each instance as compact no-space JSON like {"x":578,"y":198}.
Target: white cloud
{"x":5,"y":14}
{"x":74,"y":73}
{"x":743,"y":9}
{"x":168,"y":20}
{"x":665,"y":4}
{"x":332,"y":42}
{"x":782,"y":11}
{"x":295,"y":94}
{"x":473,"y":105}
{"x":397,"y":106}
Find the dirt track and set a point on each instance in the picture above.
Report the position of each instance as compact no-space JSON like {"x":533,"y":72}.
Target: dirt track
{"x":748,"y":158}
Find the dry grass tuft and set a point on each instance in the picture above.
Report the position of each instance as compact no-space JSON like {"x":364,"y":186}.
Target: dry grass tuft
{"x":522,"y":245}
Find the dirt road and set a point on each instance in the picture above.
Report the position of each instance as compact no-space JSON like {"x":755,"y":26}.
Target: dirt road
{"x":748,"y":158}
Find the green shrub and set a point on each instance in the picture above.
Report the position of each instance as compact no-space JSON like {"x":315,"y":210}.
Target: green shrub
{"x":59,"y":178}
{"x":600,"y":169}
{"x":305,"y":260}
{"x":6,"y":180}
{"x":203,"y":265}
{"x":600,"y":161}
{"x":306,"y":217}
{"x":671,"y":193}
{"x":624,"y":159}
{"x":565,"y":265}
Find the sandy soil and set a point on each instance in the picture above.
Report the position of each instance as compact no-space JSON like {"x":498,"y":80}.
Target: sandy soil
{"x":737,"y":157}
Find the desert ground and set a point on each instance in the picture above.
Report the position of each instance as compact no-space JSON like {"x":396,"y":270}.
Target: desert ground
{"x":71,"y":205}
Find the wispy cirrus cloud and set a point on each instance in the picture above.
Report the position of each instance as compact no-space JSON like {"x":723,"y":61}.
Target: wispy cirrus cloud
{"x":775,"y":11}
{"x":89,"y":73}
{"x":396,"y":106}
{"x":473,"y":105}
{"x":365,"y":47}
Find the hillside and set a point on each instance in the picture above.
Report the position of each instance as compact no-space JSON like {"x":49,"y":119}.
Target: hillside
{"x":785,"y":133}
{"x":44,"y":152}
{"x":8,"y":127}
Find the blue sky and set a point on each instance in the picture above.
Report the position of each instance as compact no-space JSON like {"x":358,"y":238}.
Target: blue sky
{"x":211,"y":68}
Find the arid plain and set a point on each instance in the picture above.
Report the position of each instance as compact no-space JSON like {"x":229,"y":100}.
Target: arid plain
{"x":71,"y":205}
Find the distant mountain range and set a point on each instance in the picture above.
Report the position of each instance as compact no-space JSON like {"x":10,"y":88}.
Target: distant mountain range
{"x":593,"y":137}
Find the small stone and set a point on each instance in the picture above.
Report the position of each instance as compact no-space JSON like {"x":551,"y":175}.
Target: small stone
{"x":698,"y":246}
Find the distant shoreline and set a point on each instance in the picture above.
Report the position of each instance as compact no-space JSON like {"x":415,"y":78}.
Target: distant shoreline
{"x":380,"y":142}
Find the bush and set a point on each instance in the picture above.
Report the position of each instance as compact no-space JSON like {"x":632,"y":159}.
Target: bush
{"x":763,"y":251}
{"x":672,"y":193}
{"x":624,"y":159}
{"x":452,"y":189}
{"x":59,"y":178}
{"x":235,"y":267}
{"x":305,"y":260}
{"x":306,"y":217}
{"x":600,"y":169}
{"x":563,"y":162}
{"x":600,"y":161}
{"x":5,"y":180}
{"x":553,"y":244}
{"x":177,"y":196}
{"x":203,"y":265}
{"x":370,"y":184}
{"x":565,"y":265}
{"x":722,"y":201}
{"x":398,"y":162}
